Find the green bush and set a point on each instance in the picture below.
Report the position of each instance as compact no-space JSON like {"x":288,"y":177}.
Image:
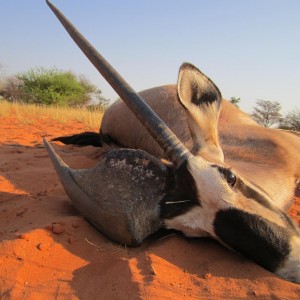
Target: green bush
{"x":48,"y":87}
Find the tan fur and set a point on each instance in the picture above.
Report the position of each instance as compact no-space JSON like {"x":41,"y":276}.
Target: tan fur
{"x":267,"y":157}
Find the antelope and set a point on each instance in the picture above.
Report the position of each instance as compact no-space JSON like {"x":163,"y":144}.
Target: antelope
{"x":227,"y":177}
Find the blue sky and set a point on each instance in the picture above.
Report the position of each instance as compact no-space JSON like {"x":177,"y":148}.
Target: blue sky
{"x":250,"y":49}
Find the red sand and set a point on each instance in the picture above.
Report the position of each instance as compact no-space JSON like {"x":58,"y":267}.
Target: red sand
{"x":48,"y":251}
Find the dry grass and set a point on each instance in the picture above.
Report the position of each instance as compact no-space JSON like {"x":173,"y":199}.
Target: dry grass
{"x":29,"y":114}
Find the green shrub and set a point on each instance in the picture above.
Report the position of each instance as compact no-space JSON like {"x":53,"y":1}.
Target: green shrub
{"x":48,"y":87}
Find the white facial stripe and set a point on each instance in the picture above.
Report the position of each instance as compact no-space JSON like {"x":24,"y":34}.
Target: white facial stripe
{"x":195,"y":223}
{"x":211,"y":186}
{"x":200,"y":219}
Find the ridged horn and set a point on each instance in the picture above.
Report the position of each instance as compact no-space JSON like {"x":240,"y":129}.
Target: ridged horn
{"x":109,"y":196}
{"x":172,"y":146}
{"x":67,"y":176}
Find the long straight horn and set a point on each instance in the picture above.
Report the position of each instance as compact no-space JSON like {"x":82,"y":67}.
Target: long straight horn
{"x":173,"y":148}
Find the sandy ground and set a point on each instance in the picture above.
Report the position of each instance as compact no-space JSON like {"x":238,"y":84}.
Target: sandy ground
{"x":48,"y":251}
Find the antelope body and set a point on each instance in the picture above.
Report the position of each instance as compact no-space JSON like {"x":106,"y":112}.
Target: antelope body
{"x":231,"y":179}
{"x":268,"y":157}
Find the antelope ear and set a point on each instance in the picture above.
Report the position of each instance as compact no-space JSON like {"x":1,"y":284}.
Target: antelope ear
{"x":202,"y":101}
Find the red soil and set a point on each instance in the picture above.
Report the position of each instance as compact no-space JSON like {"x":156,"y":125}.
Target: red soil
{"x":48,"y":251}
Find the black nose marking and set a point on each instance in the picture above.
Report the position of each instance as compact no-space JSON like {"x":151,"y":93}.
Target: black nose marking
{"x":261,"y":240}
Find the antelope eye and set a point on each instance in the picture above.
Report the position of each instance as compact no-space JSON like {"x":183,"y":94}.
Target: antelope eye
{"x":227,"y":174}
{"x":231,"y":178}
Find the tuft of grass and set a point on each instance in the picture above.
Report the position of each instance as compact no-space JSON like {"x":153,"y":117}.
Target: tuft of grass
{"x":31,"y":113}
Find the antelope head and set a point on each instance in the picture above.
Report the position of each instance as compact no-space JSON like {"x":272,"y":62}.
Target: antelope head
{"x":208,"y":197}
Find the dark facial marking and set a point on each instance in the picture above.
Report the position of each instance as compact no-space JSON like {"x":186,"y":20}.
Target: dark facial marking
{"x":264,"y":242}
{"x":182,"y":186}
{"x":250,"y":193}
{"x":292,"y":226}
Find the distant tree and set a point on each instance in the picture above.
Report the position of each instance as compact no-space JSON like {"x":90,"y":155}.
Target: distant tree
{"x":267,"y":113}
{"x":291,"y":121}
{"x":52,"y":86}
{"x":97,"y":99}
{"x":11,"y":89}
{"x":1,"y":77}
{"x":95,"y":96}
{"x":235,"y":101}
{"x":2,"y":70}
